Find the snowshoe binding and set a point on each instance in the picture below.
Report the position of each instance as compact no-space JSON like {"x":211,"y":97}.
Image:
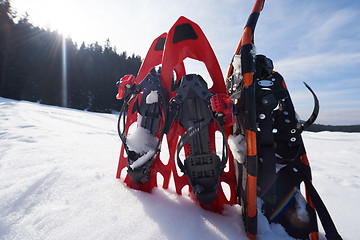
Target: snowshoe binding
{"x":142,"y":145}
{"x":144,"y":100}
{"x":202,"y":166}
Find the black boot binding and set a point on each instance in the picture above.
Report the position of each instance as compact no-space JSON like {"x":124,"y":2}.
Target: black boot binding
{"x":139,"y":162}
{"x":192,"y":107}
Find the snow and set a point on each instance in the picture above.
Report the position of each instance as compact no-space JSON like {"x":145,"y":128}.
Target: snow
{"x":301,"y":207}
{"x":152,"y":97}
{"x":237,"y":146}
{"x":143,"y":136}
{"x":142,"y":142}
{"x":143,"y":159}
{"x":58,"y":181}
{"x":237,"y":70}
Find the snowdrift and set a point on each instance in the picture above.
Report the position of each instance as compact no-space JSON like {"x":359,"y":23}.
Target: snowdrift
{"x":58,"y":181}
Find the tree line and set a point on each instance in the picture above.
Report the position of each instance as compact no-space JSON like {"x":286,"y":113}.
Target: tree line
{"x":332,"y":128}
{"x":32,"y":66}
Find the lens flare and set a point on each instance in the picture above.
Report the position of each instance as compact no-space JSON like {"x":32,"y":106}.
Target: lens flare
{"x":64,"y":91}
{"x":283,"y":204}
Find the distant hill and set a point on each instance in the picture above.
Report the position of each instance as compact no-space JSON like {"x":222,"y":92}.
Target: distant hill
{"x":332,"y":128}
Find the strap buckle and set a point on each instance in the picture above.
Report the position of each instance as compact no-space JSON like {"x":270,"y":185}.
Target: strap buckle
{"x":223,"y":108}
{"x":125,"y":85}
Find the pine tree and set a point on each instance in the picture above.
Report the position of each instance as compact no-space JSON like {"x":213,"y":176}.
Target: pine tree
{"x":6,"y":23}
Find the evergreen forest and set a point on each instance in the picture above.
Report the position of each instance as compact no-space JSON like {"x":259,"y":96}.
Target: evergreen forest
{"x":35,"y":61}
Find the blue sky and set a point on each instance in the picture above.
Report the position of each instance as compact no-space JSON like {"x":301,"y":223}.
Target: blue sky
{"x":313,"y":41}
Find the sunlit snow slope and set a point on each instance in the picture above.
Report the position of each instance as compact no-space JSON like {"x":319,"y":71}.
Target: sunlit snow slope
{"x":57,"y":181}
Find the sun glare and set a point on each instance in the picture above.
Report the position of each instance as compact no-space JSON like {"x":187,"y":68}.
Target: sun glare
{"x":69,"y":22}
{"x":68,"y":18}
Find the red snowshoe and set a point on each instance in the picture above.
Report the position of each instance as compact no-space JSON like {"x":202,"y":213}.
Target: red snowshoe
{"x":189,"y":120}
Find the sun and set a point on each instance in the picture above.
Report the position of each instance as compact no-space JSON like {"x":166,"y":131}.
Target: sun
{"x":69,"y":18}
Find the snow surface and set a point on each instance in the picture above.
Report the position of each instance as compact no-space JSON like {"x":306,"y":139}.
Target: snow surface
{"x":237,"y":145}
{"x":152,"y":97}
{"x":57,"y":181}
{"x":141,"y":140}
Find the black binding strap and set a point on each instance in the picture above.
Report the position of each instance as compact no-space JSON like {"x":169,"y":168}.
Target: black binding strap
{"x":122,"y":116}
{"x":268,"y":165}
{"x":190,"y":132}
{"x":331,"y":232}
